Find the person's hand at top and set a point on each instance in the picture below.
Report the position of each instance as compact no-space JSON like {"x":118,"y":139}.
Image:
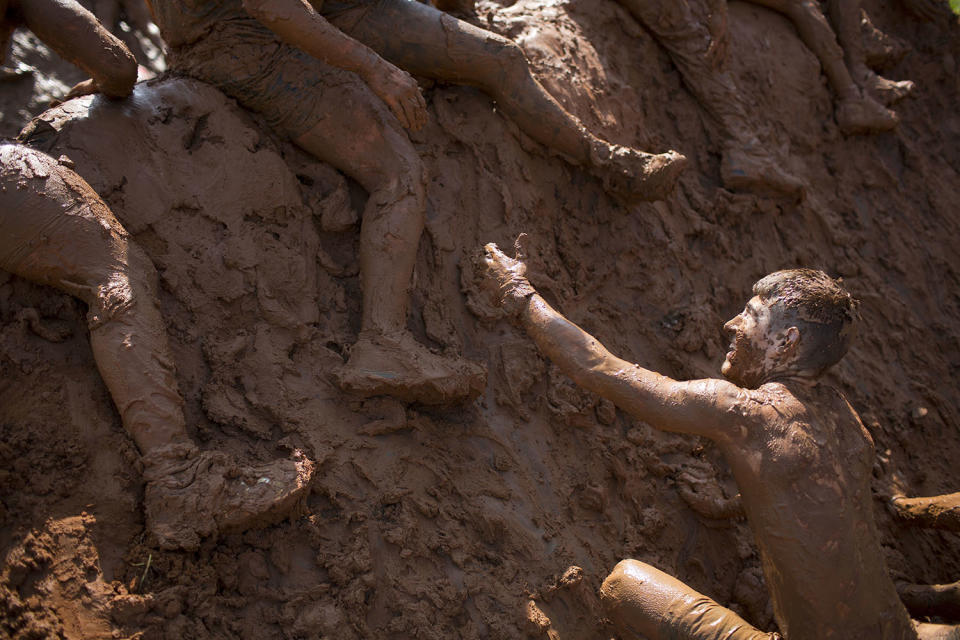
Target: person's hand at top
{"x":400,"y":92}
{"x":508,"y":276}
{"x":297,"y":23}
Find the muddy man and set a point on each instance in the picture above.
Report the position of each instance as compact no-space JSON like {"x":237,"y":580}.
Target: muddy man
{"x":56,"y":231}
{"x":329,"y":77}
{"x":799,"y":453}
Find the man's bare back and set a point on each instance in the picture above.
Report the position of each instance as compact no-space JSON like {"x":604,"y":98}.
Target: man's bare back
{"x":797,"y":449}
{"x":803,"y":465}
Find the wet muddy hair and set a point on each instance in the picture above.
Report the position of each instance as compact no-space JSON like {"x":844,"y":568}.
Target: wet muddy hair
{"x":824,"y":312}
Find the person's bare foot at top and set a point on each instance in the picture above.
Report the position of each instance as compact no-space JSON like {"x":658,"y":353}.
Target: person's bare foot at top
{"x":193,"y":494}
{"x":395,"y":364}
{"x":636,"y":176}
{"x":886,"y":91}
{"x":749,"y":167}
{"x":863,"y":114}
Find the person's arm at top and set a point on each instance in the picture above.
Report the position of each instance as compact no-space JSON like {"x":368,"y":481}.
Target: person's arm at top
{"x":712,"y":408}
{"x":298,"y":24}
{"x":76,"y":35}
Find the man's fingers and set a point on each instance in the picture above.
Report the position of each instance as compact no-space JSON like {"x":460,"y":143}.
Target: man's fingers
{"x":521,"y":246}
{"x":397,"y":109}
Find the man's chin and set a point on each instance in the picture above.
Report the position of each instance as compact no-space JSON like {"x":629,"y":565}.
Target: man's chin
{"x":725,"y":368}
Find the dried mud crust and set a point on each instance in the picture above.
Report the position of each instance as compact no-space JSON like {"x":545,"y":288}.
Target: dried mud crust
{"x":447,"y":521}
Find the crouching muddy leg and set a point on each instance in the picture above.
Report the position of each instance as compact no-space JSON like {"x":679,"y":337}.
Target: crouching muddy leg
{"x":643,"y":601}
{"x":694,"y":47}
{"x":429,"y":43}
{"x":55,"y":231}
{"x":856,"y":111}
{"x":386,"y":358}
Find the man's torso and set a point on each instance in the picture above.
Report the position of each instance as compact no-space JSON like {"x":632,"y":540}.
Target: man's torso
{"x":804,"y":474}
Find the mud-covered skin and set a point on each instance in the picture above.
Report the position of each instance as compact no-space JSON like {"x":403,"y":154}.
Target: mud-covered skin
{"x":429,"y":43}
{"x":55,"y":230}
{"x":657,"y":605}
{"x":76,"y":35}
{"x":936,"y":512}
{"x":286,"y":61}
{"x":798,"y":451}
{"x":857,"y":112}
{"x":698,"y":48}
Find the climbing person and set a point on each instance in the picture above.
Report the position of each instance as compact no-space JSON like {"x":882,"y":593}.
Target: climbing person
{"x":800,"y":455}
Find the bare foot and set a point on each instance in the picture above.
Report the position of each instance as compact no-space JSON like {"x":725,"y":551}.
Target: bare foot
{"x":399,"y":366}
{"x":750,"y":168}
{"x":864,"y":115}
{"x":193,"y":494}
{"x":634,"y":176}
{"x":887,"y":91}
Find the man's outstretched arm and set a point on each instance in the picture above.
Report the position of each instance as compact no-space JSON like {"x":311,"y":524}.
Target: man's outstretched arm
{"x":712,"y":408}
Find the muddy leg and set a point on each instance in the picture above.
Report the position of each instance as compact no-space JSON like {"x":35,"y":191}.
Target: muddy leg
{"x":845,"y":16}
{"x":746,"y":164}
{"x":927,"y":631}
{"x":58,"y":232}
{"x":54,"y":230}
{"x":856,"y":113}
{"x":427,"y":42}
{"x":359,"y":136}
{"x":644,"y":601}
{"x":923,"y":600}
{"x":938,"y":512}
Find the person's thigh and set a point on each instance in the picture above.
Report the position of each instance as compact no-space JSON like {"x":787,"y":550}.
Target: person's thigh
{"x":424,"y":41}
{"x":352,"y":129}
{"x":54,"y":229}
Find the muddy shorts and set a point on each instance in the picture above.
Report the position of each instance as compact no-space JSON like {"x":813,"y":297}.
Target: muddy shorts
{"x":291,"y":89}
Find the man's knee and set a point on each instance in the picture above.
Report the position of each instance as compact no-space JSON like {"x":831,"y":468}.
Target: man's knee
{"x":504,"y":64}
{"x":623,"y":586}
{"x":121,"y":286}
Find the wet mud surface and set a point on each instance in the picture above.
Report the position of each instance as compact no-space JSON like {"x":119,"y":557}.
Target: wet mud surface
{"x":462,"y":522}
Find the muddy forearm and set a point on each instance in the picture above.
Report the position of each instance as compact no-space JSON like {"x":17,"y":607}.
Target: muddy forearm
{"x":298,"y":24}
{"x":664,"y":403}
{"x":938,"y":512}
{"x":571,"y":348}
{"x":76,"y":35}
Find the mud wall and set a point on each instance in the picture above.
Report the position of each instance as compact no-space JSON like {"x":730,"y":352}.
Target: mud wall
{"x":444,"y":523}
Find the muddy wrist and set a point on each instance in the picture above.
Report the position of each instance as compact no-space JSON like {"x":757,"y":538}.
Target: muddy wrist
{"x":514,"y":295}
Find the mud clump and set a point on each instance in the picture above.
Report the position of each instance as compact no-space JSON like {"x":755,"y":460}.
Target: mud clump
{"x":437,"y":523}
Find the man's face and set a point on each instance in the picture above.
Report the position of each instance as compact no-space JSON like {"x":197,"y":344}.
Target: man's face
{"x":752,"y":354}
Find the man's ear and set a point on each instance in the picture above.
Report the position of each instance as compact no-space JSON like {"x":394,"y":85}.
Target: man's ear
{"x":789,"y":342}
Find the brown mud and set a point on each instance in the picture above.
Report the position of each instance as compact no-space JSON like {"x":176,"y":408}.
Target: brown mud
{"x":446,"y":523}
